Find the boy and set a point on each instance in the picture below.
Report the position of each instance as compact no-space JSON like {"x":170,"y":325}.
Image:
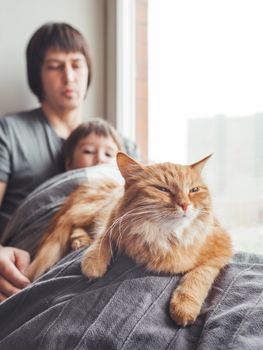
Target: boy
{"x":92,"y":143}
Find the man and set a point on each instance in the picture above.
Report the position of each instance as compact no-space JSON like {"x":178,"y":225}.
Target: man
{"x":59,"y":73}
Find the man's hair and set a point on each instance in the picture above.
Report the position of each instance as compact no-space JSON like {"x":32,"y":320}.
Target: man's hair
{"x":58,"y":36}
{"x":97,"y":126}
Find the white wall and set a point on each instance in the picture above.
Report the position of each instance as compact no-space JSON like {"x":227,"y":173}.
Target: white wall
{"x":18,"y":21}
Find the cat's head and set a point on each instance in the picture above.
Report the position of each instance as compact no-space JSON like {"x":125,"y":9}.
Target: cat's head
{"x":168,"y":194}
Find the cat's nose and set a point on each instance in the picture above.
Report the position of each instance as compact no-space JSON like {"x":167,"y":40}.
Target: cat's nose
{"x":184,"y":206}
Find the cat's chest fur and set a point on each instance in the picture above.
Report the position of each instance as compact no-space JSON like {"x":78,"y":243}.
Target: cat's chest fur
{"x":165,"y":248}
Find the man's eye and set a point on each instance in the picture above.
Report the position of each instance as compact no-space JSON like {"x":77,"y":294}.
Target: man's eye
{"x":88,"y":151}
{"x":78,"y":66}
{"x":194,"y":189}
{"x":54,"y":67}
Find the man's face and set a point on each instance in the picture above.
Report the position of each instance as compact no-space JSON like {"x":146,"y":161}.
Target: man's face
{"x":64,"y":79}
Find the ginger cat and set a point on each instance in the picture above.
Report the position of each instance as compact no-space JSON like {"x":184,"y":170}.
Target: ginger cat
{"x":162,"y":219}
{"x":165,"y":221}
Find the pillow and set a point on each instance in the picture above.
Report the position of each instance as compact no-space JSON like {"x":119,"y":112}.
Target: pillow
{"x":32,"y":217}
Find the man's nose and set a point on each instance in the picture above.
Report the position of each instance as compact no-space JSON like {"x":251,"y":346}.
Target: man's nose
{"x":69,"y":73}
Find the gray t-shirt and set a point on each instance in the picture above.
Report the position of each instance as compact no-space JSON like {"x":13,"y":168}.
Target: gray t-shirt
{"x":30,"y":153}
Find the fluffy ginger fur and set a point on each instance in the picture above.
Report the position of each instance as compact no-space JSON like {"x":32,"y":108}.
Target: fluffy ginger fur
{"x":163,"y":220}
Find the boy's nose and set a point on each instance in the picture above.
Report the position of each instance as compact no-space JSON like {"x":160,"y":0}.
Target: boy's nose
{"x":101,"y":159}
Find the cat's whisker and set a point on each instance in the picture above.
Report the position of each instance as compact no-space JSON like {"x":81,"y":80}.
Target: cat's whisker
{"x":120,"y":231}
{"x":116,"y":222}
{"x":110,"y":230}
{"x":108,"y":234}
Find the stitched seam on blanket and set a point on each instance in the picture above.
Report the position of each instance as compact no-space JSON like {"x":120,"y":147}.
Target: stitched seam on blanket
{"x":68,"y":265}
{"x":32,"y":285}
{"x":49,"y":300}
{"x":32,"y":198}
{"x":224,"y":296}
{"x":31,"y":217}
{"x":148,"y":309}
{"x":174,"y":338}
{"x":43,"y":209}
{"x":110,"y":300}
{"x":63,"y":181}
{"x":112,"y":282}
{"x":80,"y":256}
{"x":51,"y":325}
{"x":19,"y":302}
{"x":244,"y":320}
{"x":58,"y":316}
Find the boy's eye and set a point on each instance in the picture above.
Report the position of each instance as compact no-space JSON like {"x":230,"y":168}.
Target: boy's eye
{"x":88,"y":151}
{"x":194,"y":189}
{"x":109,"y":155}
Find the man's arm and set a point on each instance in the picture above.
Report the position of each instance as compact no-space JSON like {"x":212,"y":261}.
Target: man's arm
{"x":2,"y":191}
{"x":13,"y":263}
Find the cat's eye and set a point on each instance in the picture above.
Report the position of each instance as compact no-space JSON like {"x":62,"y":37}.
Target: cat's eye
{"x":162,"y":189}
{"x":194,"y":189}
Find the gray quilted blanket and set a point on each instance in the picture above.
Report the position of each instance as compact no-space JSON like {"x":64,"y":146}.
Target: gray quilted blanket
{"x":128,"y":307}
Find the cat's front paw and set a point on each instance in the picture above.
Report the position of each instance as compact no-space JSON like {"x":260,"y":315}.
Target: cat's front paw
{"x":92,"y":265}
{"x":183,"y":309}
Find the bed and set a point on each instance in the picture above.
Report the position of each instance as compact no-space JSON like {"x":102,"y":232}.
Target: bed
{"x":128,"y":307}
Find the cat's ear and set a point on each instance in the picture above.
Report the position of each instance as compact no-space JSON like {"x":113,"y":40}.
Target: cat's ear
{"x":198,"y":166}
{"x":127,"y":165}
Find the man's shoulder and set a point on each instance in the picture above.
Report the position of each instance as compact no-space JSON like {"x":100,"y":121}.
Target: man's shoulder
{"x":22,"y":116}
{"x":22,"y":120}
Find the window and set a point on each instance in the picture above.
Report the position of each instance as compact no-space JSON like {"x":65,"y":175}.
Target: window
{"x":205,"y":89}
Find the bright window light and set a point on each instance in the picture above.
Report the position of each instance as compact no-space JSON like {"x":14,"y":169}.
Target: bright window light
{"x":206,"y":96}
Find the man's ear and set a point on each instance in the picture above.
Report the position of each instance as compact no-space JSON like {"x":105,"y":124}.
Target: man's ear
{"x":198,"y":166}
{"x":127,"y":165}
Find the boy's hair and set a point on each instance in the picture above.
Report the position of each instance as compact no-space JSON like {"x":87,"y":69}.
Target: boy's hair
{"x":97,"y":126}
{"x":58,"y":36}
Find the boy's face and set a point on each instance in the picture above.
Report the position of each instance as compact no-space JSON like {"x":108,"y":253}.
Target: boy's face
{"x":93,"y":150}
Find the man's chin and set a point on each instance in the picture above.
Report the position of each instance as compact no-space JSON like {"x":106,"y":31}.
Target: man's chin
{"x":70,"y":105}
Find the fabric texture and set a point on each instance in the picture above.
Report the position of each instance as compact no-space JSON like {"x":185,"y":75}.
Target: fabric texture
{"x":128,"y":309}
{"x":30,"y":153}
{"x":32,"y":217}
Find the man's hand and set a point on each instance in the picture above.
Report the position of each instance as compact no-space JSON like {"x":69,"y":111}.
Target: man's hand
{"x":13,"y":263}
